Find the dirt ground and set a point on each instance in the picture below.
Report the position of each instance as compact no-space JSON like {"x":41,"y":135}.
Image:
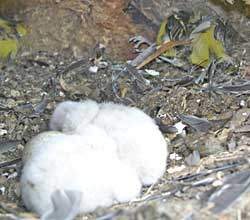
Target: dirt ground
{"x":42,"y":75}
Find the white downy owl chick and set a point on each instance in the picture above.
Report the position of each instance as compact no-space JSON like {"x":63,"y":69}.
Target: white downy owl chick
{"x":66,"y":116}
{"x":87,"y":164}
{"x":140,"y":143}
{"x":36,"y":143}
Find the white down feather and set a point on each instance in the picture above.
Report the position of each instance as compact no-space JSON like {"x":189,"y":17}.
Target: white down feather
{"x":140,"y":143}
{"x":66,"y":116}
{"x":86,"y":164}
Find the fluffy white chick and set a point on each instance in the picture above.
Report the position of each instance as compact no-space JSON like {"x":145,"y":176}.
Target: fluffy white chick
{"x":84,"y":164}
{"x":140,"y":142}
{"x":66,"y":116}
{"x":35,"y":145}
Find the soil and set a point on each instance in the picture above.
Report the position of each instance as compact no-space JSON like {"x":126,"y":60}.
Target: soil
{"x":42,"y":75}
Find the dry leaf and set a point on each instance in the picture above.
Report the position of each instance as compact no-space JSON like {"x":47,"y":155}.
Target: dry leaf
{"x":205,"y":46}
{"x":247,"y":2}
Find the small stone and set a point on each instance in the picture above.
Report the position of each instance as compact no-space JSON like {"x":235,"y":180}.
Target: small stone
{"x":14,"y":93}
{"x":3,"y":132}
{"x":231,"y":145}
{"x":180,"y":128}
{"x":217,"y":183}
{"x":176,"y":169}
{"x":151,"y":72}
{"x":61,"y":94}
{"x":93,"y":69}
{"x":10,"y":103}
{"x":242,"y":103}
{"x":175,"y":156}
{"x":2,"y":190}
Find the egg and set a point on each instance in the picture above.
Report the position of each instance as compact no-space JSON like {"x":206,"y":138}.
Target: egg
{"x":86,"y":164}
{"x":139,"y":141}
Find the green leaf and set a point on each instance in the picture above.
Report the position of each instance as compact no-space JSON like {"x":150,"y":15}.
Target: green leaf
{"x":205,"y":47}
{"x":160,"y":39}
{"x":161,"y":32}
{"x":21,"y":29}
{"x":5,"y":25}
{"x":8,"y":48}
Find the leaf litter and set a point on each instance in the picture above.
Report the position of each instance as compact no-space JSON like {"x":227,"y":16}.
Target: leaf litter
{"x":209,"y":107}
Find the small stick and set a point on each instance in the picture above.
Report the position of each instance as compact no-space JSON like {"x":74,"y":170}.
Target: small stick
{"x":163,"y":48}
{"x":10,"y":163}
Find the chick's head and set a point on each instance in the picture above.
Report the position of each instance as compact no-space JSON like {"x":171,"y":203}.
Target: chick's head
{"x":69,"y":115}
